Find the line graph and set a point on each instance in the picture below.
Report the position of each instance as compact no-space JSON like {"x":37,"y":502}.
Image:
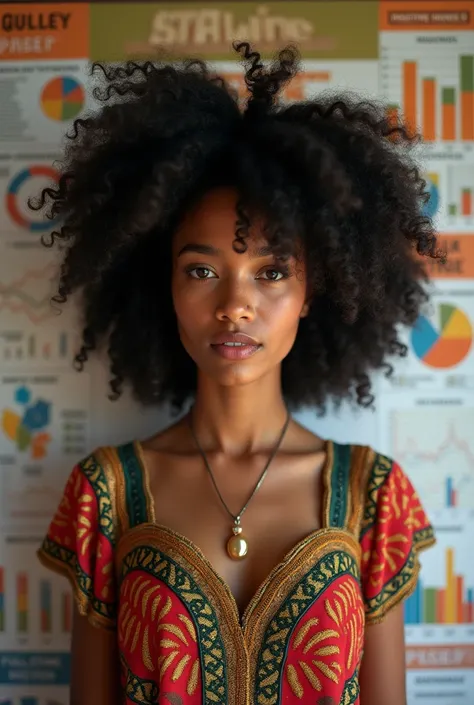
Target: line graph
{"x":436,"y":448}
{"x":29,"y":294}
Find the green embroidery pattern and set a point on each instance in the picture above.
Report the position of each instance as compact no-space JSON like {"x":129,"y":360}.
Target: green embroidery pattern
{"x":94,"y":472}
{"x":279,"y":631}
{"x":351,"y":690}
{"x":82,"y":580}
{"x":379,"y":473}
{"x":339,"y":485}
{"x":211,"y":646}
{"x":137,"y":690}
{"x":135,"y":495}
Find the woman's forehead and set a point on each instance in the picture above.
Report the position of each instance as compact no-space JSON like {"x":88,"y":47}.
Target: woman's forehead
{"x":214,"y":220}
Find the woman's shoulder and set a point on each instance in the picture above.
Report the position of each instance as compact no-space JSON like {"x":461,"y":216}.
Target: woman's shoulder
{"x":364,"y":467}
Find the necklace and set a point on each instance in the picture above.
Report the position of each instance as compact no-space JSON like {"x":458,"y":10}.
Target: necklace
{"x":237,"y":545}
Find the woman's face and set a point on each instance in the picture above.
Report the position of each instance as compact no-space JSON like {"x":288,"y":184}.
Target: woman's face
{"x":220,"y":295}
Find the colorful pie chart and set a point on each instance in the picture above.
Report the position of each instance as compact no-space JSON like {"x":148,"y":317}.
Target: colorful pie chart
{"x":62,"y":98}
{"x":446,"y":344}
{"x":431,"y":207}
{"x":16,"y":200}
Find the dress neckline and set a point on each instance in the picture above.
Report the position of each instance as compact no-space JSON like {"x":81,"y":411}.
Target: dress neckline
{"x":152,"y":527}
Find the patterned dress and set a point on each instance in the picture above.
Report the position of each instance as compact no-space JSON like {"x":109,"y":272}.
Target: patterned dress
{"x":180,"y":636}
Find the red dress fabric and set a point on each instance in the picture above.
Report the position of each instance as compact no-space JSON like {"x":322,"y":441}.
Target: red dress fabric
{"x":180,"y":636}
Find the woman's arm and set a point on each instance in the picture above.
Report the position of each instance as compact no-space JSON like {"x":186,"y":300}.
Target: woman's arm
{"x":382,"y":673}
{"x":95,"y":665}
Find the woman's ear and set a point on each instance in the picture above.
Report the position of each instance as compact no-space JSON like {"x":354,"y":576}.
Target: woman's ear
{"x":305,"y":310}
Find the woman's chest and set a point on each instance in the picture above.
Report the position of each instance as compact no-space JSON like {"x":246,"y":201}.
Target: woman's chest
{"x":300,"y":638}
{"x":283,"y":511}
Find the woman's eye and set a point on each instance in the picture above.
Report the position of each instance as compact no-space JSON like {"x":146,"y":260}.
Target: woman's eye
{"x":272,"y":275}
{"x":201,"y":273}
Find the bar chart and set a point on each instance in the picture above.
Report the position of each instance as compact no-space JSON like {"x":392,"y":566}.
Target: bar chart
{"x":25,"y":346}
{"x":451,"y":604}
{"x":431,"y":91}
{"x":34,"y":605}
{"x":460,"y":197}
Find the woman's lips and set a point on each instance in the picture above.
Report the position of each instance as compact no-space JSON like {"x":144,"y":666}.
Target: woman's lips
{"x":235,"y":351}
{"x":235,"y":346}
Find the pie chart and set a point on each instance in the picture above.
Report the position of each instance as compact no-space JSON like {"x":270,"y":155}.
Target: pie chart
{"x":445,"y":344}
{"x":62,"y":98}
{"x":431,"y":207}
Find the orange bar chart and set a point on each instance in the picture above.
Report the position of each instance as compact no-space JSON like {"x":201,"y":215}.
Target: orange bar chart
{"x":409,"y":93}
{"x":22,"y":602}
{"x":442,"y":109}
{"x":429,"y":109}
{"x":467,"y":97}
{"x":466,"y":202}
{"x":448,"y":112}
{"x":452,"y":604}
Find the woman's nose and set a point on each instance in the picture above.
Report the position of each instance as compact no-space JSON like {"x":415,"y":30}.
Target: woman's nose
{"x":235,"y":304}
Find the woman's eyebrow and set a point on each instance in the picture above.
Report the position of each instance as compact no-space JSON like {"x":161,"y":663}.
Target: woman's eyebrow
{"x":254,"y":252}
{"x":200,"y":249}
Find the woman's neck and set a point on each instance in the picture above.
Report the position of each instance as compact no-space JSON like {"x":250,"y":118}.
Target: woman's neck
{"x":240,"y":419}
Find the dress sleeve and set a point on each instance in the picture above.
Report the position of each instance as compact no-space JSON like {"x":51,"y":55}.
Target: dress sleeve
{"x":395,"y":529}
{"x":80,"y":542}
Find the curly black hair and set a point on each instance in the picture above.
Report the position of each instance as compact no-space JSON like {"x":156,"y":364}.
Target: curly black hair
{"x":334,"y":175}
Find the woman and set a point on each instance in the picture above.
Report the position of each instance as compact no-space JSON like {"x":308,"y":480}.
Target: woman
{"x":250,"y":260}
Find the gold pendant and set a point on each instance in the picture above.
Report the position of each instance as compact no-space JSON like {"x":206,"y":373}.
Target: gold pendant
{"x":237,"y":545}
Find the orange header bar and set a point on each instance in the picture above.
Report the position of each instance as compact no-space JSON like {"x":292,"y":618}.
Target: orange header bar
{"x":460,"y":258}
{"x":426,"y":16}
{"x":36,"y":31}
{"x":447,"y":656}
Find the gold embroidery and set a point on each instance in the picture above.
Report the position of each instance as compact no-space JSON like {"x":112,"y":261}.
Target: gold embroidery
{"x":165,"y":662}
{"x":324,"y":668}
{"x":189,"y":626}
{"x":174,"y":629}
{"x":156,"y":602}
{"x":302,"y":631}
{"x":326,"y":484}
{"x":319,"y":636}
{"x":137,"y":589}
{"x":311,"y":676}
{"x":129,"y":629}
{"x":193,"y":679}
{"x":113,"y":469}
{"x":294,"y":681}
{"x":330,"y":612}
{"x":146,"y":651}
{"x":165,"y":609}
{"x":150,"y":504}
{"x":135,"y":638}
{"x":146,"y":597}
{"x":168,"y":643}
{"x":178,"y":671}
{"x":362,"y":460}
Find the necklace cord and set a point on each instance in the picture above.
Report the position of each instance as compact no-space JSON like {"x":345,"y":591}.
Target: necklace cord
{"x":236,"y":518}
